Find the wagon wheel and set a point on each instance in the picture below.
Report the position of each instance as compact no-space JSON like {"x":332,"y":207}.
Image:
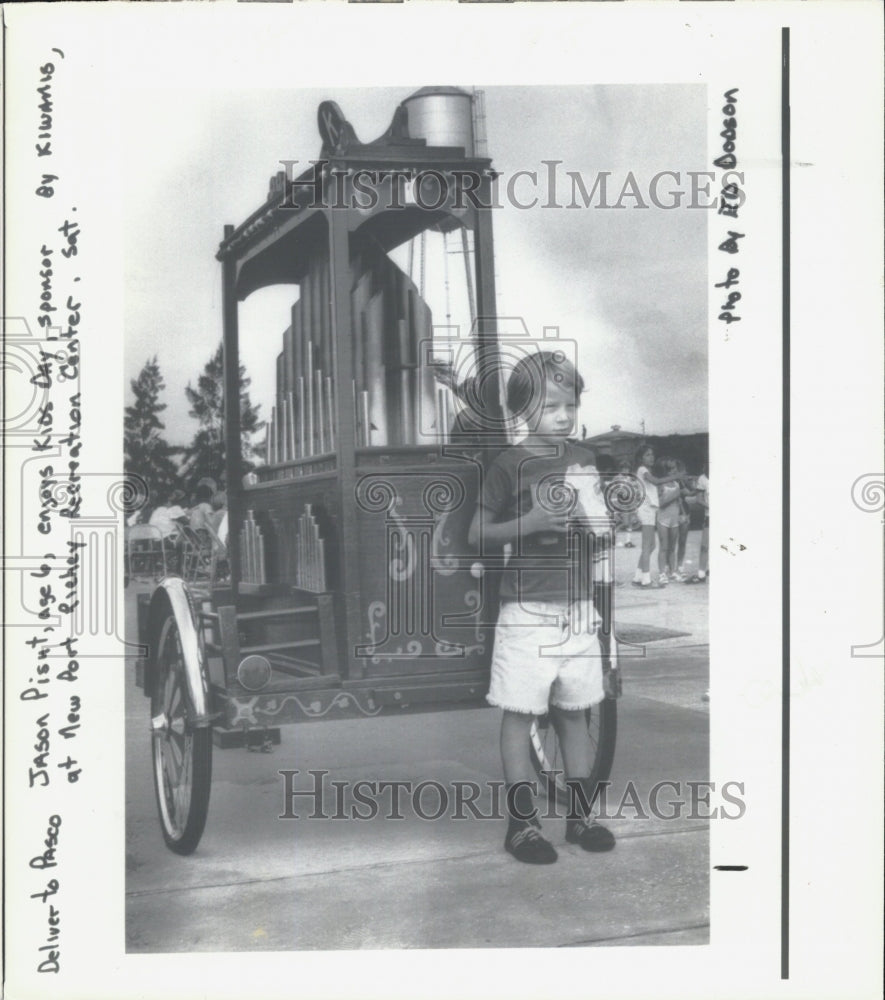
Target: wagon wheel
{"x":602,"y":727}
{"x":181,"y":742}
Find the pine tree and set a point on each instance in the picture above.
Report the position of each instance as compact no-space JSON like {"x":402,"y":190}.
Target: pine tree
{"x":146,"y":452}
{"x":205,"y":454}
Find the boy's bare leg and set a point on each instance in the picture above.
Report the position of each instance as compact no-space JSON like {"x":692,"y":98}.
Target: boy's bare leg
{"x":580,"y":828}
{"x":571,"y":728}
{"x":523,"y":840}
{"x":515,"y":727}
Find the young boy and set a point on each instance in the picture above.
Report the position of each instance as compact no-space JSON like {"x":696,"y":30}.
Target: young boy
{"x":540,"y":607}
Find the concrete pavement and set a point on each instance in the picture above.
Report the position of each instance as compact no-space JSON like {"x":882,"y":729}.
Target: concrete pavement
{"x":258,"y":882}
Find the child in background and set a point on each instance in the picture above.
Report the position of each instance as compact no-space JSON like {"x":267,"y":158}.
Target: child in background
{"x":627,"y":521}
{"x":605,"y":466}
{"x":668,"y":514}
{"x":703,"y":495}
{"x":540,"y":608}
{"x":684,"y":522}
{"x":200,"y":513}
{"x":218,"y":518}
{"x":702,"y":490}
{"x":647,"y":514}
{"x":167,"y":518}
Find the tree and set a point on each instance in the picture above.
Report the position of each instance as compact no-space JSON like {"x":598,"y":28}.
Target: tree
{"x":146,"y":452}
{"x":205,"y":454}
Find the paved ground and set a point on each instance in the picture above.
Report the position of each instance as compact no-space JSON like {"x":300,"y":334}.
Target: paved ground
{"x":261,"y":883}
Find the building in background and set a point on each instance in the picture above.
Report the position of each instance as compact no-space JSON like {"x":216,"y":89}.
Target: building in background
{"x":692,"y":449}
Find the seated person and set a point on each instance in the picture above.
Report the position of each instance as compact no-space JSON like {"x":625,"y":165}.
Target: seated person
{"x":222,"y":529}
{"x":218,"y":518}
{"x":168,"y":515}
{"x":200,"y":515}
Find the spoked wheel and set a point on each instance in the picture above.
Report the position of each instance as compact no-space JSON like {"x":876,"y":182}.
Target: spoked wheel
{"x":602,"y":727}
{"x":182,"y":748}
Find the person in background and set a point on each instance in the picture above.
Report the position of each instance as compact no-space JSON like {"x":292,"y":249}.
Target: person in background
{"x":169,"y":515}
{"x":136,"y":517}
{"x":684,"y":520}
{"x":702,"y":491}
{"x":606,"y":474}
{"x":205,"y":519}
{"x":167,"y":518}
{"x":218,"y":518}
{"x":647,"y":513}
{"x":200,"y":514}
{"x":605,"y":466}
{"x":607,"y":470}
{"x":667,"y":523}
{"x":628,"y":522}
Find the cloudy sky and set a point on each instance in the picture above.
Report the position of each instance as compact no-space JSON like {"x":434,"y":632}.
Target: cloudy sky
{"x":628,"y":284}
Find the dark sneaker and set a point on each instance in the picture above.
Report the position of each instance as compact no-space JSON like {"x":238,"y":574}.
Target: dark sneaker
{"x":527,"y":844}
{"x":587,"y":833}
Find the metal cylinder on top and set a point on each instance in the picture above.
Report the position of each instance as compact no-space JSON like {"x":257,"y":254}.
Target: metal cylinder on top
{"x":443,"y":116}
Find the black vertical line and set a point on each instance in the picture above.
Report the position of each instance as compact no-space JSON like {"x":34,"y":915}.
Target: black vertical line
{"x":785,"y":513}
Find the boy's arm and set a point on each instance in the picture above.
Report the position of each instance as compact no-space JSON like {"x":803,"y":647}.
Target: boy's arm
{"x":495,"y":500}
{"x":484,"y":528}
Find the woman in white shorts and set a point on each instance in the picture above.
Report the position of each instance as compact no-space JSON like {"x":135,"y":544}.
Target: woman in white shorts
{"x":647,"y":512}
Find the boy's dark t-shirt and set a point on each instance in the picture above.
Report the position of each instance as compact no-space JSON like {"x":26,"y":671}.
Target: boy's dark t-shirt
{"x":538,"y":569}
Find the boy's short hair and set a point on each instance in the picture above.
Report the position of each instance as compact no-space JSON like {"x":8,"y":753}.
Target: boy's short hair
{"x":531,"y":373}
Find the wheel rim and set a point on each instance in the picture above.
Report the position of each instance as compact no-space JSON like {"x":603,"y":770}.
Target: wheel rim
{"x":549,"y":755}
{"x":173,"y":748}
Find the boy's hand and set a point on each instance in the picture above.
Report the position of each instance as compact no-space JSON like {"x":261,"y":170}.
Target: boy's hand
{"x":540,"y":519}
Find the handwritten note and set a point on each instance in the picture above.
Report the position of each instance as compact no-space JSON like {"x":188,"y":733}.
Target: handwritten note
{"x":44,"y":648}
{"x":731,"y":199}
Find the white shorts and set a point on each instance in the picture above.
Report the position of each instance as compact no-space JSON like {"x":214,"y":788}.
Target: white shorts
{"x":546,"y":653}
{"x":647,"y":515}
